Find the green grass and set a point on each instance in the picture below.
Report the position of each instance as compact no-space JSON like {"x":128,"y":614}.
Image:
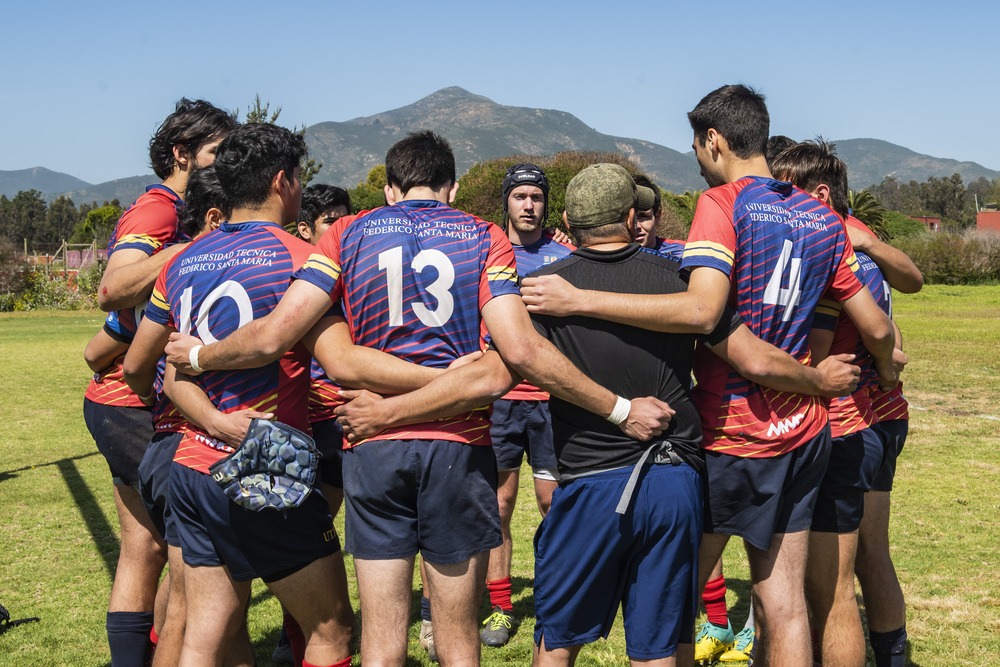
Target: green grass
{"x":58,"y":532}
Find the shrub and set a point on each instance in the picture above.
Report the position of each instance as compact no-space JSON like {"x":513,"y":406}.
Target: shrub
{"x":954,"y":259}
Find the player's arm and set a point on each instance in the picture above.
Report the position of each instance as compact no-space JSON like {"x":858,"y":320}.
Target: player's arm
{"x":129,"y":276}
{"x":261,"y":341}
{"x":897,"y":267}
{"x":145,"y":351}
{"x":193,"y":403}
{"x":771,"y":367}
{"x":102,"y":350}
{"x":876,"y":333}
{"x":695,"y":311}
{"x":362,"y":367}
{"x":465,"y":388}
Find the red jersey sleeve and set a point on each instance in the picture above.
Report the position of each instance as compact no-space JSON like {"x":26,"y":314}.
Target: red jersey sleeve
{"x":712,"y":239}
{"x":500,"y":275}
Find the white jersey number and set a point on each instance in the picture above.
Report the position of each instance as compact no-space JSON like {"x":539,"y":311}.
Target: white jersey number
{"x":230,"y":289}
{"x":787,"y":297}
{"x":391,"y":261}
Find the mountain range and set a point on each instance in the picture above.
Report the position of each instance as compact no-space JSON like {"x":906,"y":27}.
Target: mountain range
{"x":480,"y":129}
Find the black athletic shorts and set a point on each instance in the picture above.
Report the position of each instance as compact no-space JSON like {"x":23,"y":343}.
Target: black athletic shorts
{"x":841,"y":502}
{"x":154,"y":477}
{"x":329,"y":439}
{"x":122,"y":435}
{"x":517,"y":427}
{"x":892,"y":435}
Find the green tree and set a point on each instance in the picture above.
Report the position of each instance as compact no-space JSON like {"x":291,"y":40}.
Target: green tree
{"x":23,"y":217}
{"x":97,"y":225}
{"x":900,"y":226}
{"x":369,"y":193}
{"x":60,"y":219}
{"x":259,"y":111}
{"x":869,"y":210}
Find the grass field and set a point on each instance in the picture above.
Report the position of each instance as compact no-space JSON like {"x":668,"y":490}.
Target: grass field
{"x":58,"y":540}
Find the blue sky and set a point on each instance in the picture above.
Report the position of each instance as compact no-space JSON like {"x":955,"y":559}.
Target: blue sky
{"x":86,"y":84}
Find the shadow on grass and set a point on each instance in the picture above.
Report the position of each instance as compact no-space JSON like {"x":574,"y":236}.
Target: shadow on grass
{"x":90,"y":509}
{"x":11,"y":474}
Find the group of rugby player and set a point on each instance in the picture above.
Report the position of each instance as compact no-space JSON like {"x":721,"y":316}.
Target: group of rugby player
{"x":389,"y":335}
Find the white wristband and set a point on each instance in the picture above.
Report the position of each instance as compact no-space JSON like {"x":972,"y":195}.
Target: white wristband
{"x":193,"y":358}
{"x":622,"y":407}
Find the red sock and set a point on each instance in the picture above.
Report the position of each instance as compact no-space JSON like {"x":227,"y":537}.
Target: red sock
{"x":296,"y":640}
{"x":154,"y":639}
{"x":500,"y":593}
{"x":714,"y":598}
{"x":346,"y":662}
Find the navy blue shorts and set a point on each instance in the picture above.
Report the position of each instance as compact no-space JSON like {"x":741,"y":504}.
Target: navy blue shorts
{"x":329,"y":439}
{"x":154,"y":478}
{"x":892,"y":435}
{"x":523,"y":426}
{"x":269,"y":544}
{"x":433,"y":496}
{"x":758,"y":498}
{"x":588,"y":560}
{"x":122,"y":435}
{"x":841,"y":502}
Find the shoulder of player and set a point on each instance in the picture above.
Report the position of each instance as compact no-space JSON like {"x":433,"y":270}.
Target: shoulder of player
{"x":157,"y":201}
{"x":556,"y":267}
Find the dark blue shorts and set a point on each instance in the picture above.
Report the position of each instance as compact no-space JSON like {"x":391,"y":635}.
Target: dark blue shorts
{"x":329,"y":439}
{"x":841,"y":502}
{"x":893,"y":436}
{"x":122,"y":435}
{"x":432,"y":496}
{"x":523,"y":426}
{"x":154,"y":478}
{"x":588,"y":560}
{"x":269,"y":544}
{"x":758,"y":498}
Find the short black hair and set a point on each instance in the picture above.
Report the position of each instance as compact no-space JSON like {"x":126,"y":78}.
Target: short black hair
{"x":203,"y":193}
{"x":318,"y":198}
{"x":646,"y":183}
{"x":775,"y":145}
{"x":190,"y":125}
{"x":251,"y":156}
{"x":421,"y":159}
{"x":810,"y":163}
{"x":739,"y":114}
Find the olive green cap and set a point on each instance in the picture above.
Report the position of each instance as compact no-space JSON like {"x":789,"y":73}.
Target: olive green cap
{"x":602,"y":194}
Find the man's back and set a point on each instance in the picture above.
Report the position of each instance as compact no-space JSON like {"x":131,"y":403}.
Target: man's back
{"x":783,"y":250}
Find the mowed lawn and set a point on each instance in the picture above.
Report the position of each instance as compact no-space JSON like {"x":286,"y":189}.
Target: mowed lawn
{"x":58,"y":531}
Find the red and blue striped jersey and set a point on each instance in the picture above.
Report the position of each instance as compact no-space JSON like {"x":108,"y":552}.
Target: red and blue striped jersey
{"x":782,"y":251}
{"x":890,"y":405}
{"x":223,"y":281}
{"x":849,"y":414}
{"x":669,"y":248}
{"x":323,"y":396}
{"x":531,"y":258}
{"x":412,"y":279}
{"x":147,"y":225}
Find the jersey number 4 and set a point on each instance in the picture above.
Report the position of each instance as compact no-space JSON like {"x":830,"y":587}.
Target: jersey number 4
{"x":787,"y":297}
{"x":391,"y":261}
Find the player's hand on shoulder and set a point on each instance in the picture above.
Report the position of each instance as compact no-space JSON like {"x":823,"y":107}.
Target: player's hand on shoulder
{"x":889,"y":377}
{"x":231,"y":427}
{"x":178,"y":351}
{"x":549,"y":295}
{"x":360,"y":416}
{"x":648,"y":417}
{"x":559,"y":236}
{"x":840,"y":376}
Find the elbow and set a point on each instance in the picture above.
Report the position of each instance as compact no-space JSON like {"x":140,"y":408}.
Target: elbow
{"x":704,"y":320}
{"x":912,"y":284}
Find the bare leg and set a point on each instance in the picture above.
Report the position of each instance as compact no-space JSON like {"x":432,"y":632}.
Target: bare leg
{"x":778,"y":576}
{"x":557,"y":657}
{"x":215,"y":604}
{"x":316,"y":596}
{"x":830,"y":595}
{"x":500,"y":557}
{"x":456,"y":590}
{"x":710,"y":558}
{"x":168,"y":650}
{"x":885,"y":607}
{"x":384,"y":591}
{"x":161,"y":602}
{"x":543,"y":494}
{"x":142,"y":557}
{"x":334,"y":498}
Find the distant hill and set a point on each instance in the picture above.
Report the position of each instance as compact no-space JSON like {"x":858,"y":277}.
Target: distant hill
{"x":480,"y":129}
{"x":37,"y":178}
{"x":871,"y":160}
{"x":125,"y":190}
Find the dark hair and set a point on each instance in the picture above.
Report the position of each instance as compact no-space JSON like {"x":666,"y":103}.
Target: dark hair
{"x":613,"y":231}
{"x":421,"y":159}
{"x":646,"y":183}
{"x":736,"y":112}
{"x":775,"y":145}
{"x":191,"y":125}
{"x":813,"y":162}
{"x":318,"y":198}
{"x":203,"y":193}
{"x":250,"y":157}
